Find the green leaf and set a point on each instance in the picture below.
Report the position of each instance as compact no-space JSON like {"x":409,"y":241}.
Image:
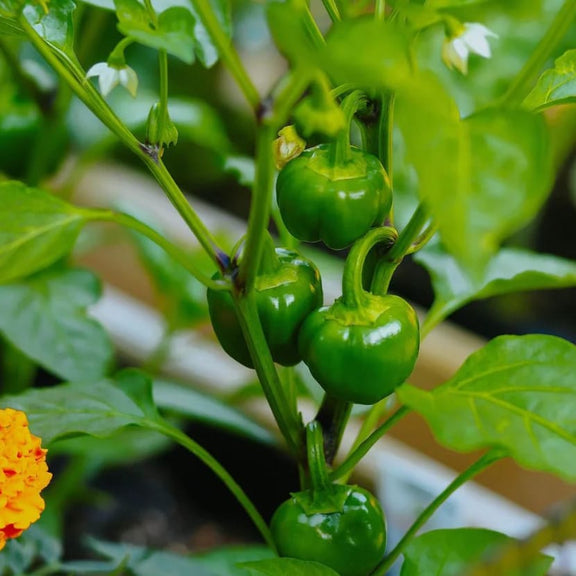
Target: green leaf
{"x":188,"y":402}
{"x":287,"y":22}
{"x":45,"y":316}
{"x":371,"y":53}
{"x":206,"y":50}
{"x":510,"y":270}
{"x":450,"y":552}
{"x":73,"y":409}
{"x":518,"y":393}
{"x":35,"y":546}
{"x":555,"y":86}
{"x":142,"y":561}
{"x":283,"y":566}
{"x":226,"y":561}
{"x":55,"y":26}
{"x":173,"y":31}
{"x":36,"y":230}
{"x":482,"y":178}
{"x":204,"y":47}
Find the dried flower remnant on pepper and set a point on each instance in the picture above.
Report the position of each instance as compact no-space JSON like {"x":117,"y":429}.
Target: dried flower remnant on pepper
{"x":23,"y":475}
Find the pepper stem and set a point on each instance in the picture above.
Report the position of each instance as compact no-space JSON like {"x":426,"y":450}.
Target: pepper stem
{"x":353,"y":292}
{"x":341,"y":148}
{"x":333,"y":416}
{"x":316,"y":458}
{"x":269,"y":261}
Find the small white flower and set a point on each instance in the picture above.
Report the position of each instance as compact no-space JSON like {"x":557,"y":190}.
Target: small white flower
{"x":471,"y":39}
{"x":110,"y":76}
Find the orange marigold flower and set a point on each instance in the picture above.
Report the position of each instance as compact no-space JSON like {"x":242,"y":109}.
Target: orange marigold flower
{"x":23,"y":475}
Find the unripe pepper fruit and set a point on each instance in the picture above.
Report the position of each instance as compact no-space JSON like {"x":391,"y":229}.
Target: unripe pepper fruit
{"x":335,"y":201}
{"x":364,"y":346}
{"x":288,"y":288}
{"x":340,"y":526}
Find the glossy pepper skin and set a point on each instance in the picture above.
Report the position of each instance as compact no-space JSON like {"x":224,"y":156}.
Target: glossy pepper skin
{"x":334,"y":203}
{"x":287,"y":292}
{"x":361,"y":355}
{"x":351,"y":540}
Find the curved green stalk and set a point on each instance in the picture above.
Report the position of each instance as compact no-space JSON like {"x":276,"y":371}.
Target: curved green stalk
{"x":480,"y":465}
{"x":179,"y":255}
{"x":394,"y":256}
{"x":351,"y":461}
{"x":286,"y":417}
{"x":74,"y":76}
{"x":207,"y":458}
{"x":521,"y":85}
{"x":332,"y":9}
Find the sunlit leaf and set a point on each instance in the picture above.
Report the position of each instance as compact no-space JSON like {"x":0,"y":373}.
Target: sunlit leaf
{"x":518,"y":393}
{"x":555,"y":86}
{"x":451,"y":552}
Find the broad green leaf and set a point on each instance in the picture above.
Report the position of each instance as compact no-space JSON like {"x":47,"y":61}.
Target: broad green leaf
{"x":370,"y":53}
{"x":74,"y":409}
{"x":146,"y":562}
{"x":9,"y":26}
{"x":518,"y":393}
{"x":55,"y":26}
{"x":45,"y":316}
{"x":204,"y":48}
{"x":34,"y":547}
{"x":555,"y":86}
{"x":173,"y":31}
{"x":452,"y":552}
{"x":186,"y":401}
{"x":287,"y":22}
{"x":510,"y":270}
{"x":227,"y":561}
{"x":36,"y":230}
{"x":482,"y":178}
{"x":284,"y":566}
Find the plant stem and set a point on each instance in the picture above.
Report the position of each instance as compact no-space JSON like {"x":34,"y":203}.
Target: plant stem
{"x":380,"y":10}
{"x":75,"y":78}
{"x":386,"y":267}
{"x":527,"y":76}
{"x":353,"y":293}
{"x":181,"y":256}
{"x":368,"y":426}
{"x":359,"y":452}
{"x":228,"y":54}
{"x":288,"y":420}
{"x":163,"y":106}
{"x":259,"y":209}
{"x":480,"y":465}
{"x":333,"y":11}
{"x":207,"y":458}
{"x":316,"y":458}
{"x":262,"y":190}
{"x":333,"y":416}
